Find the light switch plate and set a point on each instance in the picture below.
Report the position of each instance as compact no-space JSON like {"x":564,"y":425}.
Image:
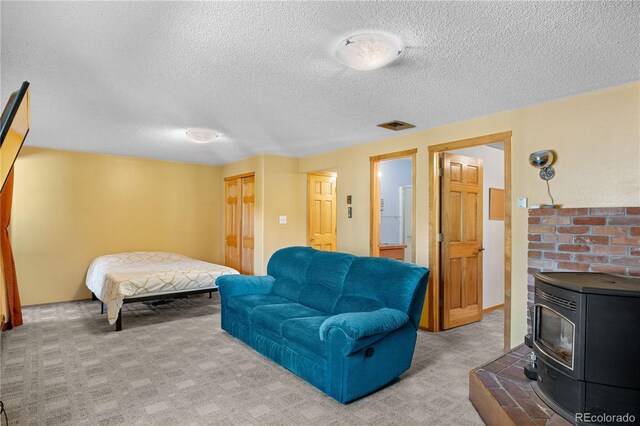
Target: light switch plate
{"x":283,"y":220}
{"x":522,"y":202}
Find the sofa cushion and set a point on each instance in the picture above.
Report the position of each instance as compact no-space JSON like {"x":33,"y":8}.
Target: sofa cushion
{"x":392,"y":283}
{"x":328,"y":269}
{"x":291,"y":262}
{"x":310,"y":277}
{"x":243,"y":306}
{"x":354,"y":303}
{"x":306,"y":332}
{"x":288,"y":288}
{"x":325,"y":279}
{"x":272,"y":317}
{"x":319,"y":297}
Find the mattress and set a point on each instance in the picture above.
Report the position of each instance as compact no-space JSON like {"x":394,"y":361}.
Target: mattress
{"x":114,"y":277}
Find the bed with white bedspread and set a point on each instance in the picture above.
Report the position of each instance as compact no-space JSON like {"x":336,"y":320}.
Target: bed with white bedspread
{"x":125,"y":277}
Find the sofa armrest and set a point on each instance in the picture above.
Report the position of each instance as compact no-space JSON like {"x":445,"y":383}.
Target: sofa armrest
{"x":357,"y":325}
{"x":236,"y":285}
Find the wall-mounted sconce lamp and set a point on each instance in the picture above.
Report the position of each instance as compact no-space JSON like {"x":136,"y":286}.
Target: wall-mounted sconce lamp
{"x":543,"y":160}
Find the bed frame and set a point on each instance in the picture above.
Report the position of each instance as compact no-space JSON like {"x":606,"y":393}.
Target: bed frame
{"x":155,"y":297}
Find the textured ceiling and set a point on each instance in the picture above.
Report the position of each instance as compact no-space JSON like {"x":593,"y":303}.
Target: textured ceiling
{"x":128,"y":77}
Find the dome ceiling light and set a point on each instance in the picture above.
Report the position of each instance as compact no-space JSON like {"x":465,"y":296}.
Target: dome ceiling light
{"x":202,"y":135}
{"x":369,"y":51}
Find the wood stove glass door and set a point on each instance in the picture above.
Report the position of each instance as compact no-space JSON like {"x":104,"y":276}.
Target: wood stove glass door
{"x":555,"y":335}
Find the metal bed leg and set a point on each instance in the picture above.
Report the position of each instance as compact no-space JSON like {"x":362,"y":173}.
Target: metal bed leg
{"x":119,"y":322}
{"x":210,"y":294}
{"x":101,"y":307}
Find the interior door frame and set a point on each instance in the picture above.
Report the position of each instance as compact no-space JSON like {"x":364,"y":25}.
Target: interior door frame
{"x":433,"y":291}
{"x":374,"y":207}
{"x":401,"y":198}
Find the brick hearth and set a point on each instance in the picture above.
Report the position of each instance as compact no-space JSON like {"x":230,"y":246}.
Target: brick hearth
{"x":502,"y":394}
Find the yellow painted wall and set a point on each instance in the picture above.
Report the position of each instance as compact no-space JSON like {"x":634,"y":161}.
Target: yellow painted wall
{"x":595,"y":135}
{"x":285,"y":194}
{"x":71,"y":207}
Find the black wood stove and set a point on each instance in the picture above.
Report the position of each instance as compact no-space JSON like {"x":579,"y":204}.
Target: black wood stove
{"x":586,"y":337}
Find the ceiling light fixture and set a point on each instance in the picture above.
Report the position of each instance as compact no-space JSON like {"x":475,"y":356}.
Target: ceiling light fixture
{"x":202,"y":135}
{"x":369,"y":51}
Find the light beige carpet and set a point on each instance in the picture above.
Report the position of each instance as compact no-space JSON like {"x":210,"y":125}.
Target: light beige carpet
{"x":173,"y":365}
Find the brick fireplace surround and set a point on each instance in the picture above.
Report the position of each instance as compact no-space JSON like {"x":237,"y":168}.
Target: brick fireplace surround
{"x":584,"y":240}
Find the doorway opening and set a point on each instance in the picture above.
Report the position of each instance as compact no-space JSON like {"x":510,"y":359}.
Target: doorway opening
{"x":322,"y":228}
{"x":392,"y":205}
{"x":458,"y":249}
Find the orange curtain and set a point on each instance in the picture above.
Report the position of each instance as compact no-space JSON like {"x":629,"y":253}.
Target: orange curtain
{"x":15,"y":310}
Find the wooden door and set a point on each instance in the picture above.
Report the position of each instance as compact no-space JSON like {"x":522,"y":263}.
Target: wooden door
{"x":248,"y":202}
{"x":232,"y":223}
{"x":461,"y":246}
{"x":239,"y":195}
{"x":322,"y":212}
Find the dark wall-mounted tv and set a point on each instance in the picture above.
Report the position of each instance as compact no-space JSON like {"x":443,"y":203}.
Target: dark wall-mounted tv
{"x":14,"y":126}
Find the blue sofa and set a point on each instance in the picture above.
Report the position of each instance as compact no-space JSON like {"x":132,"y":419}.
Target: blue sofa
{"x":345,"y":324}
